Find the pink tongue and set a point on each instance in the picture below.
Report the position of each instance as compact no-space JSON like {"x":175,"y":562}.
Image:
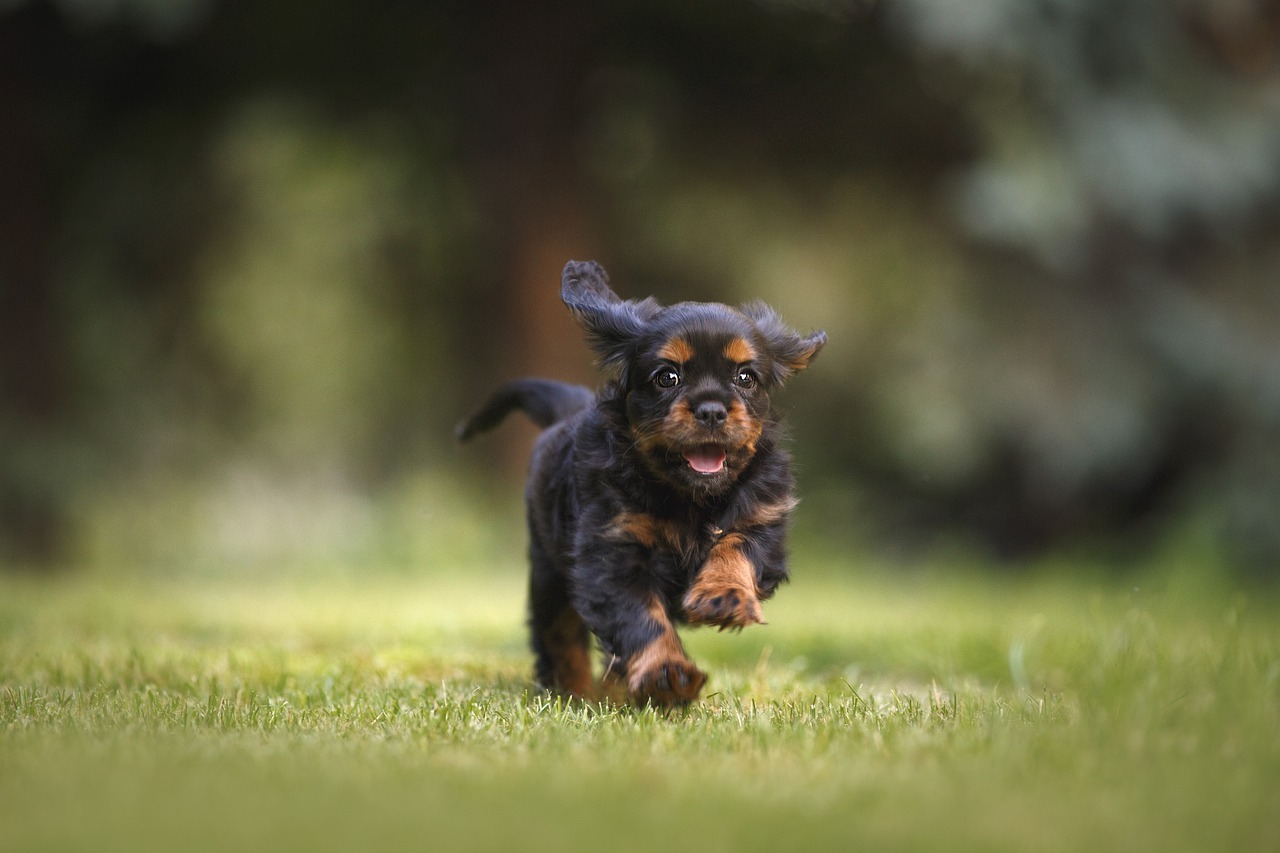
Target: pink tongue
{"x":707,"y":459}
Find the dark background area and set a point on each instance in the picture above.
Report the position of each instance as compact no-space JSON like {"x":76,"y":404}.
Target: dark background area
{"x":256,"y":259}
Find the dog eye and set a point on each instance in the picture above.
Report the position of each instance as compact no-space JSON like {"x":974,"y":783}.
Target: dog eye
{"x":667,"y":378}
{"x":745,"y":379}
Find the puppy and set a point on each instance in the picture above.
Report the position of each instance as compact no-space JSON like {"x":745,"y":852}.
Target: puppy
{"x":664,"y":499}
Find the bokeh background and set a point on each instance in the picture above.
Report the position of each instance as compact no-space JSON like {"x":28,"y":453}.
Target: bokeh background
{"x":256,"y":259}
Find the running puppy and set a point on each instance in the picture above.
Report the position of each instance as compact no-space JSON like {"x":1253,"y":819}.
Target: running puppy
{"x":664,"y":499}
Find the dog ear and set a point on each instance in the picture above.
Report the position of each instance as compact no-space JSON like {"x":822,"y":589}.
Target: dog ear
{"x":613,"y":326}
{"x":789,"y":352}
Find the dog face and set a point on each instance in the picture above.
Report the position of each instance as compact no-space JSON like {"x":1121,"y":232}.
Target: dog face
{"x":694,"y":377}
{"x":695,"y":401}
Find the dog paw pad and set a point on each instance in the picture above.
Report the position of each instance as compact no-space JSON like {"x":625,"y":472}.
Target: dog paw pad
{"x":670,"y":683}
{"x":724,"y":608}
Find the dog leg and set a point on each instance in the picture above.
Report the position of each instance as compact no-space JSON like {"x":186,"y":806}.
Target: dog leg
{"x":560,"y":639}
{"x":725,"y":592}
{"x":658,"y":672}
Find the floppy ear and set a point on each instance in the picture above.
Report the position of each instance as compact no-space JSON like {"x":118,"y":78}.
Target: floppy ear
{"x":613,"y":326}
{"x":789,"y":353}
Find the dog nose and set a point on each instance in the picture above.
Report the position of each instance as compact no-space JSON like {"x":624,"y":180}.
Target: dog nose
{"x":710,"y":413}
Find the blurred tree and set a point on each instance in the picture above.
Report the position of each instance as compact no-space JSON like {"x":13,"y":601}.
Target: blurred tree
{"x":33,"y":376}
{"x":1127,"y":199}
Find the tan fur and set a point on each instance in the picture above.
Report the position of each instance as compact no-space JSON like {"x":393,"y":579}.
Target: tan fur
{"x":661,"y":673}
{"x":740,"y":351}
{"x":569,"y":648}
{"x":681,"y":429}
{"x":725,"y":592}
{"x":676,"y":351}
{"x":771,"y":513}
{"x":649,"y":531}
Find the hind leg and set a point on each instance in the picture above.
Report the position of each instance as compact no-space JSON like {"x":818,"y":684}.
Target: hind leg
{"x":560,"y":639}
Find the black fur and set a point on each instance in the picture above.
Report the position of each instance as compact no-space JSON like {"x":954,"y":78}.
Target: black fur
{"x":545,"y":401}
{"x":662,"y":500}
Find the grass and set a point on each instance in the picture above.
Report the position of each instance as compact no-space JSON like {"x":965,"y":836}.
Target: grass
{"x":949,"y":712}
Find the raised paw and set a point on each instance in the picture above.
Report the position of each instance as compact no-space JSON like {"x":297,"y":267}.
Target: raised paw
{"x":666,"y":683}
{"x":723,"y":605}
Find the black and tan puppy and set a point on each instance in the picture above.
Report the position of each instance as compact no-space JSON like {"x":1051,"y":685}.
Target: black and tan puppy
{"x":662,"y":500}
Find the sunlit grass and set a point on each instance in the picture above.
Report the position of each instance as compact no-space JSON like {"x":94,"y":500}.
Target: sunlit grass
{"x":927,"y":711}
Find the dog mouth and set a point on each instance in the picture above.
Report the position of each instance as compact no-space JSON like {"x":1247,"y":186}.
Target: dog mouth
{"x":706,"y":458}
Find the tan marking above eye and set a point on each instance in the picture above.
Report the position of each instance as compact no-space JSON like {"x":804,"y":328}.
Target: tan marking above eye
{"x":676,"y":351}
{"x":740,"y":351}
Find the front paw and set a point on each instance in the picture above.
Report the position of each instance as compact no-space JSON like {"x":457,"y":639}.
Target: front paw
{"x":666,"y":683}
{"x":723,"y":605}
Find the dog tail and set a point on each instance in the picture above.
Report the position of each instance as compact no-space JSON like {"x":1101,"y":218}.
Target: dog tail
{"x":545,"y":401}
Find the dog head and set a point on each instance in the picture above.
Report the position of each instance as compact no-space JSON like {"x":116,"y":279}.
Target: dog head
{"x":694,"y":377}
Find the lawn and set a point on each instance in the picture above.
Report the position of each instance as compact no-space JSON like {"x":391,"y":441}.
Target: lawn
{"x":931,"y":710}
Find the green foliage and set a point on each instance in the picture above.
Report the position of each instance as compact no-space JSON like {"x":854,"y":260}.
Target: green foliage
{"x":899,"y":714}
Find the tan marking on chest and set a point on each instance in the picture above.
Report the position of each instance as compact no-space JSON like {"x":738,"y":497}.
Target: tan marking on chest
{"x":770,"y":513}
{"x":651,"y":532}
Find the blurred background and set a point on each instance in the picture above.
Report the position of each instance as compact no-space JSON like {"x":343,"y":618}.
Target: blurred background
{"x":256,"y":259}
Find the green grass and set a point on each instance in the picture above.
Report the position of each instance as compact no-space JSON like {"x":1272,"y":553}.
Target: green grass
{"x":931,"y":712}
